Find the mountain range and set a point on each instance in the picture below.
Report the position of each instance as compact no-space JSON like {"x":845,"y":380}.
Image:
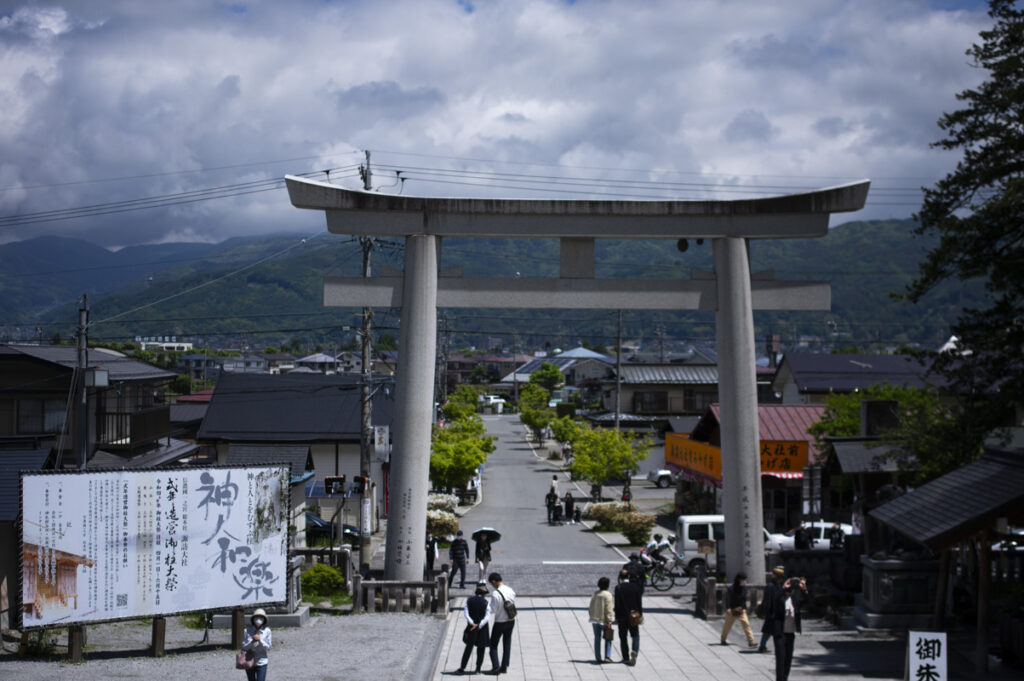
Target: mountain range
{"x":269,"y":290}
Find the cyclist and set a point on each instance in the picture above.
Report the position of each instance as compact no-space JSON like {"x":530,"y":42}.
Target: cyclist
{"x":653,"y":549}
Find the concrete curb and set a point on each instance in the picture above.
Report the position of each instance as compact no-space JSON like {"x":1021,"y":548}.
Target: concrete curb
{"x":429,"y":652}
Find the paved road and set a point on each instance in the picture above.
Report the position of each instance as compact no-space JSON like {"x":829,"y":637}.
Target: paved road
{"x":536,"y":558}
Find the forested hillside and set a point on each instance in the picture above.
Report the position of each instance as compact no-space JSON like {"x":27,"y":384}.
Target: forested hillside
{"x":269,"y":291}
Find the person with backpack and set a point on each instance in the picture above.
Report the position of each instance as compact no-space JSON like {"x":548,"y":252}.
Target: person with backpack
{"x":503,"y":608}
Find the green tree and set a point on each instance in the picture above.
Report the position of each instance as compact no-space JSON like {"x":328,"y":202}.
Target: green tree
{"x":565,"y":429}
{"x":461,"y":404}
{"x":479,"y":375}
{"x":386,"y":341}
{"x":533,"y":408}
{"x":457,"y":450}
{"x":607,"y":454}
{"x":547,"y":376}
{"x":537,"y":420}
{"x":977,"y":212}
{"x":926,"y":429}
{"x":270,"y":350}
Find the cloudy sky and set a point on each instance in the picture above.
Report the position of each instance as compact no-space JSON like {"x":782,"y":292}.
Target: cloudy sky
{"x":193,"y":111}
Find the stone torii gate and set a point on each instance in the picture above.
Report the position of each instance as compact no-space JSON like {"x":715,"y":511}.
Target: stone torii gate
{"x":730,"y":290}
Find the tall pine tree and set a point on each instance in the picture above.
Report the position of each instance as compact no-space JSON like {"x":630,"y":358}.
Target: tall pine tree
{"x":977,"y":211}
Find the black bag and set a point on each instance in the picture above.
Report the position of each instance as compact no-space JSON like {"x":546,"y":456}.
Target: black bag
{"x":469,"y":636}
{"x":510,"y":606}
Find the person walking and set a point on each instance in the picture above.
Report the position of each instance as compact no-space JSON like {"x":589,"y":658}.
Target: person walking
{"x":504,"y":622}
{"x":767,"y":629}
{"x":782,"y":610}
{"x":431,"y":548}
{"x":551,"y":500}
{"x":602,"y":613}
{"x":257,"y":640}
{"x":736,"y":609}
{"x":458,"y":554}
{"x":628,"y":600}
{"x":836,"y":537}
{"x":477,"y":612}
{"x":482,"y":555}
{"x":570,"y":505}
{"x":554,"y":484}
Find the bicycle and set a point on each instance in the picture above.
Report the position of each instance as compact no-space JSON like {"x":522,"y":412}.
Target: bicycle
{"x":677,"y":567}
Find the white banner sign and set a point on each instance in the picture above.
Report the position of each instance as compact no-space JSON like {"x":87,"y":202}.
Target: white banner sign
{"x":114,"y":545}
{"x":926,"y":656}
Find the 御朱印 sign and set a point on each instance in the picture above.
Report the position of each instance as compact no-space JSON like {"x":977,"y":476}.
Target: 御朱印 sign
{"x":114,"y":545}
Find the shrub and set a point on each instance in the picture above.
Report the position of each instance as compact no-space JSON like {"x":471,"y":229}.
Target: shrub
{"x":442,"y":523}
{"x":608,"y":515}
{"x":322,"y":581}
{"x":636,"y":526}
{"x":442,"y":502}
{"x":554,"y":455}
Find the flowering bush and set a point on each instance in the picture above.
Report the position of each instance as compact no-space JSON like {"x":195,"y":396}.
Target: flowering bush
{"x":442,"y":523}
{"x":442,"y":502}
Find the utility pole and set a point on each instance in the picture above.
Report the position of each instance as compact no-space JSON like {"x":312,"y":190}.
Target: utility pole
{"x":618,"y":373}
{"x":366,"y":431}
{"x":82,"y":417}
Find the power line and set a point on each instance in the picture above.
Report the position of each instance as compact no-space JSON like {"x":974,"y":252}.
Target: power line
{"x":172,"y":173}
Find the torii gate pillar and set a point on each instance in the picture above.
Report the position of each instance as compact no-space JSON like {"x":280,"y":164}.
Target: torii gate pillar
{"x":731,"y":291}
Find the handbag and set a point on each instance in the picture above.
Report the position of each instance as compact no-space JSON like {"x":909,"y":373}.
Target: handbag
{"x":636,"y":618}
{"x":608,"y":633}
{"x":244,"y":659}
{"x":510,"y":606}
{"x":469,"y":635}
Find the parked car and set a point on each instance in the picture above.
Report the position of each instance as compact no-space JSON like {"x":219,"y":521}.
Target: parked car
{"x":819,"y":536}
{"x":491,"y":400}
{"x":319,"y":530}
{"x":690,"y":529}
{"x":662,"y":477}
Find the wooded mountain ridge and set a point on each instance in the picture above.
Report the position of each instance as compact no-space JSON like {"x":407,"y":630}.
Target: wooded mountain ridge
{"x":268,"y":290}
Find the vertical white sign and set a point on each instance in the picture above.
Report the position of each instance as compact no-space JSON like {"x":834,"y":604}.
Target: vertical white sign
{"x":381,"y":435}
{"x":926,"y":656}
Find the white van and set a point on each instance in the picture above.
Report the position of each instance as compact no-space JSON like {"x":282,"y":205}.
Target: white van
{"x":690,"y":529}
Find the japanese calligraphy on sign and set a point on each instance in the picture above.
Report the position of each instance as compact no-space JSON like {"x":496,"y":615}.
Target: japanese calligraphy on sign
{"x":115,"y":545}
{"x":705,"y":460}
{"x":926,"y":656}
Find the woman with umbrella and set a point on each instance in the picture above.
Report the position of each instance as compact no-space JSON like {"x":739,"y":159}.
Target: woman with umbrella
{"x":484,"y":537}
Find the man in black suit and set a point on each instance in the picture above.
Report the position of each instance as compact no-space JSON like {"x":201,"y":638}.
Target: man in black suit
{"x":628,"y":599}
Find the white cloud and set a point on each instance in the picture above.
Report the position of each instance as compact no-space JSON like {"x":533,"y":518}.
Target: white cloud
{"x":811,"y":90}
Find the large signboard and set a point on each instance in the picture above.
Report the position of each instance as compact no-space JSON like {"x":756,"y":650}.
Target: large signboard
{"x":704,"y":461}
{"x":114,"y":545}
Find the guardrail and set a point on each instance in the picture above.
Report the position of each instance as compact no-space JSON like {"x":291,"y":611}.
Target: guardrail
{"x":398,"y":596}
{"x":711,"y":598}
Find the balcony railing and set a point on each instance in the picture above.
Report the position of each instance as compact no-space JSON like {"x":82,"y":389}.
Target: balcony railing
{"x":132,"y":430}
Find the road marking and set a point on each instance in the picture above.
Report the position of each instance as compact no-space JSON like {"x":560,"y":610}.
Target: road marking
{"x":581,"y":562}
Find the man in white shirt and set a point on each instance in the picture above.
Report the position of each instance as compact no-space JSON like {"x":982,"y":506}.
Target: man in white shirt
{"x":501,"y":631}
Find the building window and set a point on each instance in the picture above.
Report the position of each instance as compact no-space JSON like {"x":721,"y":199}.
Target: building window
{"x":41,"y":416}
{"x":650,"y":401}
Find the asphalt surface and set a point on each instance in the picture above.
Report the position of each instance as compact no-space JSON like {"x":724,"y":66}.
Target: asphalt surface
{"x":535,"y":558}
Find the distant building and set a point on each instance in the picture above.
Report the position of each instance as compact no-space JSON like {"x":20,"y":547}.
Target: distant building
{"x":808,"y":378}
{"x":320,"y":414}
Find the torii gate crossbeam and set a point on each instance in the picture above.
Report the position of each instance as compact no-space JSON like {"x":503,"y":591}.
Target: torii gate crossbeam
{"x":730,"y":290}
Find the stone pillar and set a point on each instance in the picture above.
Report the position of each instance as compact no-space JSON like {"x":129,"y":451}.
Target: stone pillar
{"x":414,"y":408}
{"x":737,"y":396}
